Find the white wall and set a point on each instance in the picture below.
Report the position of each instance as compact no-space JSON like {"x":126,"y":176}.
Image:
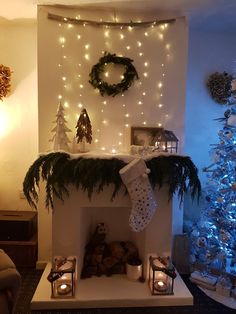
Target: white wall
{"x":18,"y":112}
{"x":169,"y":50}
{"x":208,"y":52}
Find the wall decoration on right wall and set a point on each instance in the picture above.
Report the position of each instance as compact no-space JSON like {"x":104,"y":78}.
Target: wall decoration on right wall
{"x":222,"y":88}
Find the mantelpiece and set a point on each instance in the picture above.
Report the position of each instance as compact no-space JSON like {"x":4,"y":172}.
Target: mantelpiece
{"x":74,"y":219}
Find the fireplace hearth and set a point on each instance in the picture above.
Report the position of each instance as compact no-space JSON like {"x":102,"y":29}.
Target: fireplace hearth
{"x":73,"y":223}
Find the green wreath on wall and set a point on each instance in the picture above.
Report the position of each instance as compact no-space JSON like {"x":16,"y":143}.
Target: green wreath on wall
{"x":104,"y":88}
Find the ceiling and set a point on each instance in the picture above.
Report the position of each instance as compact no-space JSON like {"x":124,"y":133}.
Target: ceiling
{"x":204,"y":14}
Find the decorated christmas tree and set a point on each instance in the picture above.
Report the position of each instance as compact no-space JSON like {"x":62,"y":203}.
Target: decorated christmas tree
{"x":213,"y":238}
{"x":60,"y":139}
{"x":84,"y":129}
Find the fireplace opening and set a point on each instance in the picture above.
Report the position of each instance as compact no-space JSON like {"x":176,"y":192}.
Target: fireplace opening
{"x":107,"y":258}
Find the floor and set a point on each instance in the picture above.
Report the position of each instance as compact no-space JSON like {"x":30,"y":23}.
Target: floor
{"x":202,"y":303}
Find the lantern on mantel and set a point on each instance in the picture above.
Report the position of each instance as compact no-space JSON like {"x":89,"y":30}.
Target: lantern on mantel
{"x":62,"y":277}
{"x":161,"y":275}
{"x":166,"y":141}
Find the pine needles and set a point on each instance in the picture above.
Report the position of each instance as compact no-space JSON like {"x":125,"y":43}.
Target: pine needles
{"x":91,"y":175}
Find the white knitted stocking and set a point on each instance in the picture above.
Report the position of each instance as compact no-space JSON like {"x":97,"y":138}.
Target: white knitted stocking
{"x":134,"y":176}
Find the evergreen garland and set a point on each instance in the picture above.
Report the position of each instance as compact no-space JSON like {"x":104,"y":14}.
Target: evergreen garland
{"x":129,"y":75}
{"x":58,"y":170}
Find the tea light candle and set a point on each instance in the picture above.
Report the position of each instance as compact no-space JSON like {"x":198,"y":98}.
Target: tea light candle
{"x":160,"y":285}
{"x":64,"y":288}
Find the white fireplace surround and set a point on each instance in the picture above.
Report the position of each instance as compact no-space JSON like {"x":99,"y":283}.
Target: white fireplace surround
{"x":73,"y":223}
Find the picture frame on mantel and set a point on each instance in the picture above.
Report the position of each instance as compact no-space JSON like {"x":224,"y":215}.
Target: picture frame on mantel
{"x":144,"y":136}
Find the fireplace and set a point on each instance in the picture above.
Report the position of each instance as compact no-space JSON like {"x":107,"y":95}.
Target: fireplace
{"x":72,"y":224}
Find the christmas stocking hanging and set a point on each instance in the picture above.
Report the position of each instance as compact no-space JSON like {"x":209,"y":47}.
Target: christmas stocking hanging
{"x":134,"y":175}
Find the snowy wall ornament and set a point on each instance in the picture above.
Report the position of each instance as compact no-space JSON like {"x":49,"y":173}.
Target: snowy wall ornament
{"x":84,"y":130}
{"x":219,"y":86}
{"x":5,"y":79}
{"x":60,"y":139}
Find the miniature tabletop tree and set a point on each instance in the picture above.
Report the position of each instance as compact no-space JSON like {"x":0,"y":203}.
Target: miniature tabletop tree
{"x":84,"y":129}
{"x":60,"y":139}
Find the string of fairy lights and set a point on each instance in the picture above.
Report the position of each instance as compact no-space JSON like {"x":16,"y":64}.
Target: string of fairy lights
{"x":137,"y":110}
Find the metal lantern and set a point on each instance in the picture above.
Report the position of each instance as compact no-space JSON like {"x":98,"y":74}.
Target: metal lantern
{"x":166,"y":141}
{"x":161,"y":275}
{"x":62,"y":277}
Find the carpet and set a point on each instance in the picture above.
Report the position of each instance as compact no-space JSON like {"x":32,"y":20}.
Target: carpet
{"x":202,"y":303}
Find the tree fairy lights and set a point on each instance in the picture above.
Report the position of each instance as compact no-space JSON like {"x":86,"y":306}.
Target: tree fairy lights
{"x":144,"y":104}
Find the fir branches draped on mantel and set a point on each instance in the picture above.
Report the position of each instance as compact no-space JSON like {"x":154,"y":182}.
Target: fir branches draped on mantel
{"x":59,"y":170}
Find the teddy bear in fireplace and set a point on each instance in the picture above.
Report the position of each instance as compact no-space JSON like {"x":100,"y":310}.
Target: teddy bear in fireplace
{"x":102,"y":258}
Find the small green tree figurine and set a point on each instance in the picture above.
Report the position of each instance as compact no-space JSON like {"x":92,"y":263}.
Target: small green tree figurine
{"x":84,"y":130}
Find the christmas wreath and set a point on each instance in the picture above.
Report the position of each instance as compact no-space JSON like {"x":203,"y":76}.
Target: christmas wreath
{"x":129,"y":75}
{"x":219,"y":85}
{"x":5,"y":78}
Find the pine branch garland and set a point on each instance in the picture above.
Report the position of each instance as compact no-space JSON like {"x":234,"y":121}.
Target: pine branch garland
{"x":92,"y":175}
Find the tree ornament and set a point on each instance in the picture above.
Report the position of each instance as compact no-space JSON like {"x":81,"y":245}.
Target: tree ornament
{"x":104,"y":88}
{"x":84,"y":130}
{"x":60,"y":139}
{"x":134,"y":176}
{"x":5,"y":79}
{"x":219,"y":85}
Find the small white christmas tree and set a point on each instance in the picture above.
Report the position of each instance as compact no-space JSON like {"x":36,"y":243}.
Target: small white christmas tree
{"x":60,"y":139}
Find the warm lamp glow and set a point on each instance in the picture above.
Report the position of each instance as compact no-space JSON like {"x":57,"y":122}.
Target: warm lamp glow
{"x":4,"y":123}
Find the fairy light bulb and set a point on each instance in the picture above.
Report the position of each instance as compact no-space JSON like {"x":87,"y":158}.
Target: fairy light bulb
{"x":124,"y":105}
{"x":160,"y":85}
{"x":62,"y":40}
{"x":70,"y":25}
{"x":87,"y":46}
{"x":128,"y":47}
{"x":78,"y":36}
{"x":127,"y":115}
{"x":145,"y":74}
{"x":86,"y":56}
{"x":81,"y":86}
{"x":162,"y":27}
{"x":64,"y":57}
{"x":144,"y":122}
{"x":161,"y":36}
{"x":142,"y":113}
{"x":146,"y":64}
{"x":141,"y":54}
{"x":59,"y":65}
{"x":146,"y":34}
{"x":139,"y":43}
{"x":65,"y":19}
{"x":144,"y":93}
{"x":80,"y":105}
{"x":60,"y":97}
{"x":105,"y":122}
{"x":122,"y":77}
{"x":96,"y":140}
{"x":159,"y":124}
{"x":106,"y":74}
{"x":106,"y":33}
{"x":103,"y":148}
{"x":122,"y":36}
{"x":130,"y":28}
{"x":104,"y":102}
{"x":160,"y":105}
{"x":119,"y":143}
{"x":120,"y":134}
{"x":167,"y":46}
{"x":140,"y":102}
{"x":126,"y":125}
{"x":63,"y":78}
